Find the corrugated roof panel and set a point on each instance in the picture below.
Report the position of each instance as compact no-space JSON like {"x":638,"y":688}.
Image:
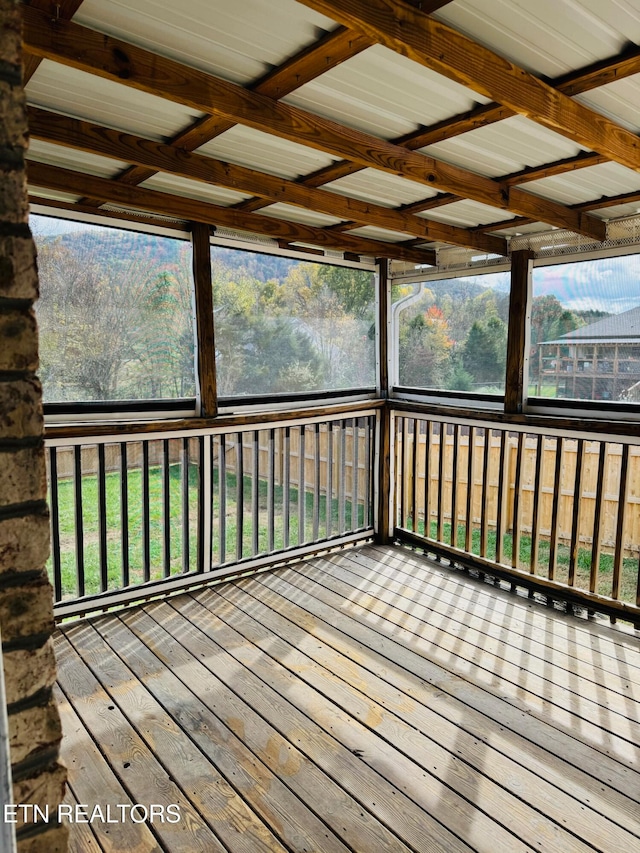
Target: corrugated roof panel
{"x":381,"y":188}
{"x":466,"y":213}
{"x":618,"y":211}
{"x":375,"y":233}
{"x":607,"y":179}
{"x":66,"y":90}
{"x":383,"y":93}
{"x":505,"y":147}
{"x":79,"y":161}
{"x":193,"y":189}
{"x":299,"y":214}
{"x":619,"y":101}
{"x":547,"y":37}
{"x":258,"y":150}
{"x":53,"y":195}
{"x":237,"y":41}
{"x":517,"y":230}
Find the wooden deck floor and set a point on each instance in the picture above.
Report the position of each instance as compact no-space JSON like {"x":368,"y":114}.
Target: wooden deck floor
{"x":369,"y":700}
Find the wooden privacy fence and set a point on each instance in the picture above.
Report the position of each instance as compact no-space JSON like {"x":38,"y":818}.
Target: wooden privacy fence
{"x":592,"y":493}
{"x":562,"y":508}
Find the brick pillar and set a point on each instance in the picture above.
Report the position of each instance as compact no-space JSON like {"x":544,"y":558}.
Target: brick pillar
{"x":26,"y":600}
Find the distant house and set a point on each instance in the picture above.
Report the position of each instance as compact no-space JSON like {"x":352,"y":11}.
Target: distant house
{"x":600,"y":361}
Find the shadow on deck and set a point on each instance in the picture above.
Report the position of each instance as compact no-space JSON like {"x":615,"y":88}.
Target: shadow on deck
{"x":367,"y":700}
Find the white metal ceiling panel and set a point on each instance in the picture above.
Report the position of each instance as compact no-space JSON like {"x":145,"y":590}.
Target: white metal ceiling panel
{"x":239,"y":41}
{"x":193,"y":189}
{"x":465,"y":213}
{"x":375,"y":233}
{"x":548,"y":37}
{"x":380,"y":188}
{"x":79,"y":161}
{"x":266,"y":153}
{"x":299,"y":214}
{"x":53,"y":195}
{"x":75,"y":93}
{"x":619,"y":101}
{"x":382,"y":93}
{"x":608,"y":179}
{"x":505,"y":147}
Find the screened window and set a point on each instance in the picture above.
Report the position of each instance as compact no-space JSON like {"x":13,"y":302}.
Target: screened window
{"x":585,"y":331}
{"x":291,"y":327}
{"x":115,"y":313}
{"x":451,"y":334}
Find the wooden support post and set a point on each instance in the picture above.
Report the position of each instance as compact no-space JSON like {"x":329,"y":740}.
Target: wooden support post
{"x":383,"y":521}
{"x":519,"y":308}
{"x":204,"y":319}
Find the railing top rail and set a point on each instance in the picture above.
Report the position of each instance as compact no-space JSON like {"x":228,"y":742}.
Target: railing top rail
{"x":59,"y":436}
{"x":620,"y":432}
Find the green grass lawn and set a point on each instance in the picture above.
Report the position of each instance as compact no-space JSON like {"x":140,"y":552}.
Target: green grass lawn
{"x":629,"y":574}
{"x":183,"y":555}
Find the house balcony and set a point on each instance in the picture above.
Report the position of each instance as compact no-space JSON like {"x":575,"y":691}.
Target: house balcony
{"x":254,"y":660}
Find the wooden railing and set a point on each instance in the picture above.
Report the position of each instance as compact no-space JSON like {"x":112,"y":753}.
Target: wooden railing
{"x":141,"y":512}
{"x":558,"y":509}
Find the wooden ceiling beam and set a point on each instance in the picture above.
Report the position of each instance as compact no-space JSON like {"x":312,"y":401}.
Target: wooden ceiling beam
{"x":84,"y":136}
{"x":107,"y":191}
{"x":121,"y":62}
{"x":64,"y":9}
{"x":402,"y":28}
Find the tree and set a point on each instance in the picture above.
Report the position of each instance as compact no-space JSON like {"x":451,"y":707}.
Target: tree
{"x":425,"y":351}
{"x":484,"y":351}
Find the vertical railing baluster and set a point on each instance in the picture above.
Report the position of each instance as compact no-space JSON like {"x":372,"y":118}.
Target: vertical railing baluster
{"x":484,"y":499}
{"x":500,"y":498}
{"x":239,"y":495}
{"x":329,"y":501}
{"x":355,"y":444}
{"x":286,"y":477}
{"x":403,"y":443}
{"x":596,"y":543}
{"x":200,"y":558}
{"x":622,"y":505}
{"x":102,"y":519}
{"x":79,"y":523}
{"x":575,"y":514}
{"x":166,"y":509}
{"x":368,"y":429}
{"x":255,"y":507}
{"x":537,"y":502}
{"x":55,"y":523}
{"x":555,"y":507}
{"x":413,"y":505}
{"x":222,"y":496}
{"x":441,"y":480}
{"x":342,"y":484}
{"x":468,"y":538}
{"x":184,"y":481}
{"x":453,"y":537}
{"x":146,"y":534}
{"x":301,"y":484}
{"x":271,"y":478}
{"x":316,"y":482}
{"x":124,"y":512}
{"x":517,"y":507}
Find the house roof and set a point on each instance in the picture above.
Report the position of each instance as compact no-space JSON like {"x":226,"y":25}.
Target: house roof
{"x":365,"y":126}
{"x":621,"y":328}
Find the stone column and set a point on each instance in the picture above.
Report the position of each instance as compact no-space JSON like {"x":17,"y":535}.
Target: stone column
{"x":26,"y":600}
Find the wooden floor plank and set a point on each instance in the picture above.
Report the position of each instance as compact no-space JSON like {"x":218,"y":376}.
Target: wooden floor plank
{"x":210,"y":795}
{"x":487,"y":699}
{"x":461,"y":626}
{"x":270,"y":690}
{"x":476,"y":738}
{"x":138,"y":770}
{"x":595,"y":635}
{"x":546,"y":699}
{"x":364,"y":701}
{"x":460,"y":780}
{"x":286,"y":815}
